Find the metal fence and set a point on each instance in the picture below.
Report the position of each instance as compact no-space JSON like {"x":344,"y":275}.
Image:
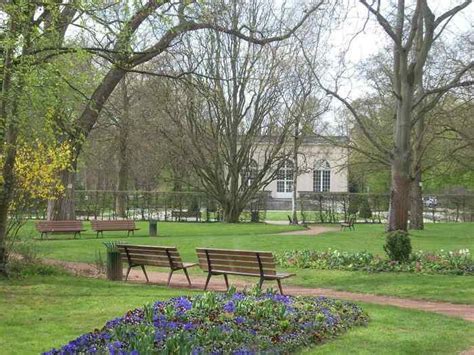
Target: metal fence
{"x":333,"y":207}
{"x":145,"y":205}
{"x":314,"y":207}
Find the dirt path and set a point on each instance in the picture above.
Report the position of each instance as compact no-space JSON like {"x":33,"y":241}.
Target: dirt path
{"x":311,"y":230}
{"x":217,"y":284}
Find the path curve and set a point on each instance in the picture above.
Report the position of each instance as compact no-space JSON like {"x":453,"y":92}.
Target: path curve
{"x":311,"y":230}
{"x":463,"y":311}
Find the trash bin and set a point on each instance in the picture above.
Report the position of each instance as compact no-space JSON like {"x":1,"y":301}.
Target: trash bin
{"x":153,"y":228}
{"x":114,"y":265}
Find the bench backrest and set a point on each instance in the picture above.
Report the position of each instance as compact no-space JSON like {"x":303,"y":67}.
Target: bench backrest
{"x":151,"y":255}
{"x":59,"y":226}
{"x":238,"y":261}
{"x":113,"y":225}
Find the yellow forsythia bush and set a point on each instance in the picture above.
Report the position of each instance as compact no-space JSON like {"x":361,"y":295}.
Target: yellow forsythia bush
{"x":37,"y":167}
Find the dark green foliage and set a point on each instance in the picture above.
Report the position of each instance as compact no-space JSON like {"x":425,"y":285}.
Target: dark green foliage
{"x":353,"y":205}
{"x":364,"y":209}
{"x":398,"y":245}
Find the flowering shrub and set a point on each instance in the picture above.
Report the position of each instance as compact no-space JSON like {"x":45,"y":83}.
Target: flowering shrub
{"x":215,"y":323}
{"x":444,"y":262}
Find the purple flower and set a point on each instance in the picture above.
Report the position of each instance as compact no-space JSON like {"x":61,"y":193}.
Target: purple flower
{"x":160,"y":336}
{"x":188,"y":326}
{"x":225,"y":328}
{"x":229,"y":307}
{"x":238,"y":296}
{"x":172,"y":325}
{"x":239,"y":320}
{"x":183,"y":303}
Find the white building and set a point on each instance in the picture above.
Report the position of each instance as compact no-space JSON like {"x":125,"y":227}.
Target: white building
{"x":322,"y":168}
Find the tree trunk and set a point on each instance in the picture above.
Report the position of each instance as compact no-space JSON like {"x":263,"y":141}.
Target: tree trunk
{"x":399,"y":199}
{"x":400,"y":180}
{"x":416,"y":203}
{"x":294,"y":212}
{"x":64,"y":207}
{"x":6,"y":195}
{"x":121,"y":197}
{"x":231,"y":213}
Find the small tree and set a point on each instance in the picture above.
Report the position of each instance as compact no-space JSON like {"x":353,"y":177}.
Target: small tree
{"x":398,"y":245}
{"x":364,"y":209}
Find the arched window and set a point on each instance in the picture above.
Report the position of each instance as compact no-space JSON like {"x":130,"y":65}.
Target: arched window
{"x":250,"y":173}
{"x":285,"y":177}
{"x":322,"y":176}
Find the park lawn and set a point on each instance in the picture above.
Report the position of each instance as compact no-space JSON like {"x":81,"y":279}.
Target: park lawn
{"x":447,"y":288}
{"x":398,"y":331}
{"x":188,"y":236}
{"x":41,"y":312}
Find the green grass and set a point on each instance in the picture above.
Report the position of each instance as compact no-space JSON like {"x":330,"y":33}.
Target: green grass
{"x":188,"y":236}
{"x":39,"y":313}
{"x":396,"y":331}
{"x":455,"y":289}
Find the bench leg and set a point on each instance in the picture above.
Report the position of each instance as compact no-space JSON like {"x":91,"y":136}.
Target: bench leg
{"x":97,"y":235}
{"x":226,"y":282}
{"x":260,"y":283}
{"x":279,"y":286}
{"x":146,"y":276}
{"x":128,"y":272}
{"x":207,"y":281}
{"x":169,"y":277}
{"x":187,"y":276}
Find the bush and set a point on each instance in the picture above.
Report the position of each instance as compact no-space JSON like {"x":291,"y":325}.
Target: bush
{"x":364,"y":209}
{"x":398,"y":245}
{"x":353,"y":205}
{"x":222,"y":323}
{"x":24,"y":262}
{"x":443,"y":262}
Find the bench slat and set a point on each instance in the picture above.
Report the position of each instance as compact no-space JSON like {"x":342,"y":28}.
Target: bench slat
{"x":247,"y":270}
{"x":155,"y":251}
{"x":238,"y":271}
{"x":152,"y":257}
{"x":151,"y":262}
{"x":234,"y":252}
{"x":253,"y":263}
{"x":59,"y":226}
{"x":263,"y":259}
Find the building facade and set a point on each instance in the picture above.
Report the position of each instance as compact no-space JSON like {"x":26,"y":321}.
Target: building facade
{"x":322,"y":167}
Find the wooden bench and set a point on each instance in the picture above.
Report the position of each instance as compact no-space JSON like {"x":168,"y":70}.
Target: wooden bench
{"x":113,"y":225}
{"x":146,"y":255}
{"x":239,"y":262}
{"x":59,"y":227}
{"x":349,"y":224}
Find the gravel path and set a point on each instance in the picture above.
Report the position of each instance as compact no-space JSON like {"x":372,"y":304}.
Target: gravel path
{"x":311,"y":230}
{"x":217,"y":284}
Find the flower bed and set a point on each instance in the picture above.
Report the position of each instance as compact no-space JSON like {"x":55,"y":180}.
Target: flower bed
{"x":215,"y":323}
{"x":443,"y":262}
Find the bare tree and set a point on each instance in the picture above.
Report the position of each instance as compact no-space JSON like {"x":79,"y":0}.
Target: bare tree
{"x":412,"y":31}
{"x":168,"y":22}
{"x":231,"y":113}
